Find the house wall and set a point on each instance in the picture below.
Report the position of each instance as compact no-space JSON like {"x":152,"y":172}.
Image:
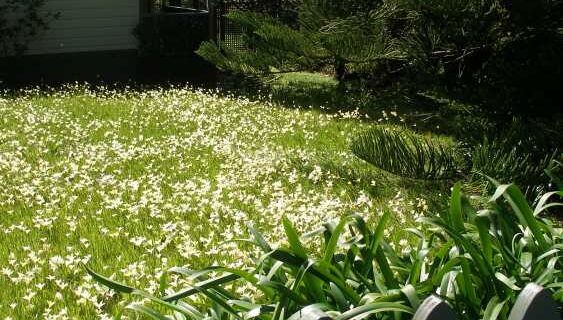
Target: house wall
{"x":88,"y":25}
{"x":93,"y":42}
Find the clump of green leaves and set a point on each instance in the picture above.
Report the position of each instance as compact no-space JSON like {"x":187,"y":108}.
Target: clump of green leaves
{"x":553,"y":171}
{"x":476,"y":258}
{"x":506,"y":161}
{"x":408,"y":154}
{"x":508,"y":158}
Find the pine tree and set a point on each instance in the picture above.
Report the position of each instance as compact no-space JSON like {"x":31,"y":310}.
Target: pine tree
{"x":341,"y":35}
{"x":498,"y":53}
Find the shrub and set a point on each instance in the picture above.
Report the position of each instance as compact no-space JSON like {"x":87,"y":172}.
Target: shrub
{"x":407,"y":154}
{"x":508,"y":157}
{"x":477,"y":259}
{"x":508,"y":162}
{"x":553,"y":171}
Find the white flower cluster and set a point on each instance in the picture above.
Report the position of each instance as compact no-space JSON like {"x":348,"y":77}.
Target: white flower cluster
{"x":133,"y":183}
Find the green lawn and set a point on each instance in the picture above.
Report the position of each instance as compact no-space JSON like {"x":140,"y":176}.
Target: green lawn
{"x":133,"y":183}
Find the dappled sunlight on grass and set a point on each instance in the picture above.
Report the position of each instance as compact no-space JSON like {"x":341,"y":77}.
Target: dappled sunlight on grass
{"x":134,"y":183}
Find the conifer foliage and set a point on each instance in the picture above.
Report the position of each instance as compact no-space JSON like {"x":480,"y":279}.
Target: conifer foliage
{"x":328,"y":33}
{"x":498,"y":53}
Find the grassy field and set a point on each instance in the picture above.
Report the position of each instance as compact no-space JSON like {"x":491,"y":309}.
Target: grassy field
{"x":133,"y":183}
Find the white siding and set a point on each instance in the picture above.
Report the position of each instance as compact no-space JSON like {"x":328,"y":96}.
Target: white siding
{"x":88,"y":25}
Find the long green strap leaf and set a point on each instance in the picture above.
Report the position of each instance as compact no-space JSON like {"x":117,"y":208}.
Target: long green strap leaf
{"x":374,"y":307}
{"x":456,"y":214}
{"x":520,"y":206}
{"x":493,"y":309}
{"x":375,"y":241}
{"x":482,"y":224}
{"x":220,"y":301}
{"x":541,"y":205}
{"x":281,"y":290}
{"x":333,"y":242}
{"x":259,"y":239}
{"x":410,"y":292}
{"x":507,"y":281}
{"x":202,"y":286}
{"x":468,"y":289}
{"x":293,"y":239}
{"x":109,"y":283}
{"x":416,"y":268}
{"x":321,"y":273}
{"x":447,"y":267}
{"x":386,"y":271}
{"x":184,"y":310}
{"x":283,"y":302}
{"x":484,"y":269}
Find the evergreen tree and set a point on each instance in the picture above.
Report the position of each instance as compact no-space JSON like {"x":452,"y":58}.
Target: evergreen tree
{"x":504,"y":55}
{"x":328,"y":33}
{"x":498,"y":53}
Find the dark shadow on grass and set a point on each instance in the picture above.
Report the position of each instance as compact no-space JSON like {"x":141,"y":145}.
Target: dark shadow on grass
{"x":390,"y":105}
{"x":357,"y":176}
{"x":318,"y":92}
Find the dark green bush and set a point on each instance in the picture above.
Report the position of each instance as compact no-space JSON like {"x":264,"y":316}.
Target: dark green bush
{"x":507,"y":161}
{"x":554,"y":172}
{"x":515,"y":155}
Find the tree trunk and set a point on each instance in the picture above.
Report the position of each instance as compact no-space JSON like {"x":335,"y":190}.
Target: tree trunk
{"x":339,"y":68}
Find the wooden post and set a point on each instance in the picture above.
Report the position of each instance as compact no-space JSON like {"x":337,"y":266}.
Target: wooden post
{"x":145,"y":7}
{"x":534,"y":302}
{"x":212,"y":22}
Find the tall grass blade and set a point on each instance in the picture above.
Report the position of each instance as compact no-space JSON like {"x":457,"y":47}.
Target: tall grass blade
{"x":259,"y":239}
{"x":185,"y":310}
{"x":410,"y":292}
{"x":468,"y":288}
{"x":508,"y":282}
